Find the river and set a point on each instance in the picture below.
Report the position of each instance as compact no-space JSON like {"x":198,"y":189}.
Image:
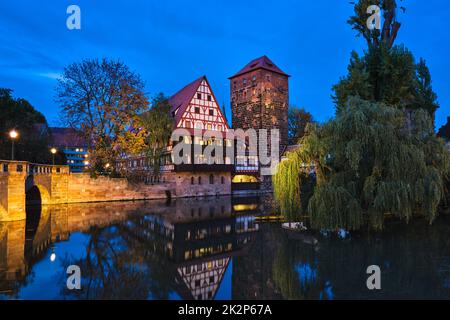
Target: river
{"x":212,"y":248}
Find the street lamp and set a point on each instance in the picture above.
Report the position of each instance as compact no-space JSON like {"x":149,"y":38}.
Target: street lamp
{"x":53,"y":151}
{"x":13,"y":134}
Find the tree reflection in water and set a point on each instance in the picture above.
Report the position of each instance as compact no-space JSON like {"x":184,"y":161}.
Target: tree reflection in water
{"x":150,"y":250}
{"x":414,"y":260}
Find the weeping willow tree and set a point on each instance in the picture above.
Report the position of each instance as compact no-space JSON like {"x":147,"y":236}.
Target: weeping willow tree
{"x":372,"y":160}
{"x":379,"y":155}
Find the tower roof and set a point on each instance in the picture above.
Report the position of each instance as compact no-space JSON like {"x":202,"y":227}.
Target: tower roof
{"x":261,"y":63}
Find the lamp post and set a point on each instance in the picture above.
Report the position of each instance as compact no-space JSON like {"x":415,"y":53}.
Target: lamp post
{"x":53,"y":151}
{"x":13,"y":134}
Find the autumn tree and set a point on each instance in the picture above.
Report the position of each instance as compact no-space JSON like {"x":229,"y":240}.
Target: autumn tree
{"x":101,"y":99}
{"x":298,"y":118}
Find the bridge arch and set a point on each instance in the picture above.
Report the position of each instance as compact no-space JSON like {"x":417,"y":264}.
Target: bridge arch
{"x":36,"y":193}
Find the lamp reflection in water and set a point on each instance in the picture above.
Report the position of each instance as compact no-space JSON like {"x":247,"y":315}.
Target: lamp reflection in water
{"x":53,"y":254}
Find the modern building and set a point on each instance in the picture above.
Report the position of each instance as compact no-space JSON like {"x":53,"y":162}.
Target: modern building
{"x":75,"y":148}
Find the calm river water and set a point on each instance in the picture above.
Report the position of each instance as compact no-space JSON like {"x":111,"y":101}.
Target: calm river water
{"x":212,"y":248}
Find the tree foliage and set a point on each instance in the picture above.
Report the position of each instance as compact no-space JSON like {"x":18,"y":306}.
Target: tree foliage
{"x":102,"y":99}
{"x":374,"y":37}
{"x":34,"y":135}
{"x":369,"y":163}
{"x":385,"y":72}
{"x":157,"y":124}
{"x":298,"y":118}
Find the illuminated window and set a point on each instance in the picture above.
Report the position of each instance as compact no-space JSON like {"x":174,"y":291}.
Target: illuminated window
{"x":198,"y":140}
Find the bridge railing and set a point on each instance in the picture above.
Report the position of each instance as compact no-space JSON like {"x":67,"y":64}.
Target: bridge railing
{"x":25,"y":167}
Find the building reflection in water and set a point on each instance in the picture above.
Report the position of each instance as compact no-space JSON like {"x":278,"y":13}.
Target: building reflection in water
{"x":199,"y":248}
{"x":184,"y":247}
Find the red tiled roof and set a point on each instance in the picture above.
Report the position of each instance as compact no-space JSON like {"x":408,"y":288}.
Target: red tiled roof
{"x":261,"y":63}
{"x":182,"y":98}
{"x":66,"y":137}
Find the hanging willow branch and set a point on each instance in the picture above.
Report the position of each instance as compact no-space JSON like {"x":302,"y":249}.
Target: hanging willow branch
{"x":369,"y":163}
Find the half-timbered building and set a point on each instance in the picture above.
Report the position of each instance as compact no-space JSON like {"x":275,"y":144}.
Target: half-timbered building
{"x":194,"y":109}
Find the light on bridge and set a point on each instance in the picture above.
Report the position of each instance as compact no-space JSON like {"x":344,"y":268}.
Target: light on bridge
{"x":13,"y":134}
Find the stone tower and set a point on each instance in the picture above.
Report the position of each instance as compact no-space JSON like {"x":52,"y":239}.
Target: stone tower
{"x":260,"y":98}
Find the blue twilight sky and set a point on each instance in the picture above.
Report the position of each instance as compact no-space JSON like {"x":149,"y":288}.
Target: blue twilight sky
{"x":172,"y":42}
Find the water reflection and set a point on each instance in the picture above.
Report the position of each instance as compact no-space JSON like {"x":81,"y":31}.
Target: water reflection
{"x":211,"y":249}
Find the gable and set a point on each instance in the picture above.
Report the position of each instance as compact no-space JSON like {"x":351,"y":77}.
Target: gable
{"x":202,"y":111}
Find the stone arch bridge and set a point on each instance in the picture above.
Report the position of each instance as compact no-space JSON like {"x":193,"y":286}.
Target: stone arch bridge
{"x":17,"y":178}
{"x":54,"y":184}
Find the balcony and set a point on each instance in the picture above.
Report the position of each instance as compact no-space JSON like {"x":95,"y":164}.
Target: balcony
{"x":204,"y":168}
{"x":246,"y":169}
